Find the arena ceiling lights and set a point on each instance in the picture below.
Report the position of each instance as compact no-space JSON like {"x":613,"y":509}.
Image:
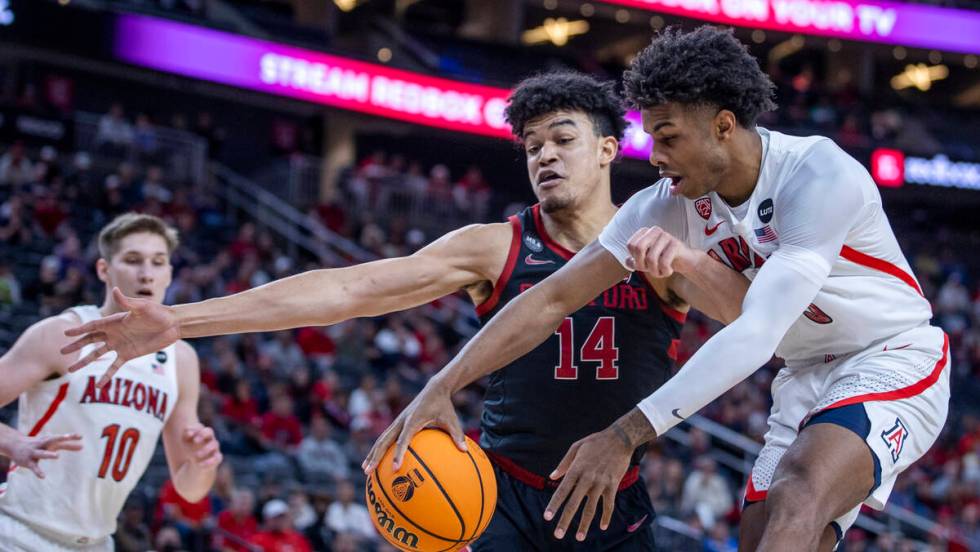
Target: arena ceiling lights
{"x":915,"y":25}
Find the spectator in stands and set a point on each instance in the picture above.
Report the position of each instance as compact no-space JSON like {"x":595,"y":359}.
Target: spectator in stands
{"x":115,"y":134}
{"x":281,"y":430}
{"x":278,"y":534}
{"x":188,"y":518}
{"x":706,"y":493}
{"x":321,"y":457}
{"x":15,"y":168}
{"x":300,"y":510}
{"x":145,"y":141}
{"x":132,"y":534}
{"x":9,"y":286}
{"x":349,"y":516}
{"x":15,"y":224}
{"x":237,"y":525}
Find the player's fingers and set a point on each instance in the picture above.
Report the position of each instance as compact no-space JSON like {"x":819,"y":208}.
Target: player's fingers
{"x":127,"y":303}
{"x":208,"y":450}
{"x":41,"y":454}
{"x":667,"y":257}
{"x":653,"y":256}
{"x":88,"y":337}
{"x":451,"y":424}
{"x":588,"y":513}
{"x":92,"y":356}
{"x":608,"y":507}
{"x":113,"y":368}
{"x":582,"y":486}
{"x":566,"y":462}
{"x":557,"y":499}
{"x":639,"y":250}
{"x":381,"y":445}
{"x":409,"y":429}
{"x":211,"y":461}
{"x":32,"y":465}
{"x":71,"y":441}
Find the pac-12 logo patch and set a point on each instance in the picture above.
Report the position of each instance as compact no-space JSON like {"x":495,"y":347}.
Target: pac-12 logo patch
{"x":404,"y":486}
{"x":703,"y":207}
{"x":533,"y":243}
{"x":895,"y":437}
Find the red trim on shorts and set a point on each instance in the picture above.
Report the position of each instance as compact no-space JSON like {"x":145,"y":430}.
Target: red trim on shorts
{"x":539,"y":482}
{"x":882,"y":265}
{"x":498,"y":288}
{"x":552,"y":244}
{"x":752,"y":494}
{"x":903,"y":393}
{"x":62,"y":392}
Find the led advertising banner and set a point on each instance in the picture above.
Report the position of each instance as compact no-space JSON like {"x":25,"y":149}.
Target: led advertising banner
{"x":916,"y":25}
{"x":892,"y":168}
{"x":320,"y":78}
{"x":311,"y":76}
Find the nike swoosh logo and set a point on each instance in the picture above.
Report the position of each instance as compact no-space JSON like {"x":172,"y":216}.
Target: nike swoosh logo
{"x":533,"y":262}
{"x":898,"y":348}
{"x":635,"y":526}
{"x":677,"y":413}
{"x":711,"y":230}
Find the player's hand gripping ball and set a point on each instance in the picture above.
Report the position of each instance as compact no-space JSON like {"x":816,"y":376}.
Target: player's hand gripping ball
{"x":441,"y":498}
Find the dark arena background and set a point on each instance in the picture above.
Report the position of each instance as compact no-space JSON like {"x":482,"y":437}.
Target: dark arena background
{"x":280,"y":136}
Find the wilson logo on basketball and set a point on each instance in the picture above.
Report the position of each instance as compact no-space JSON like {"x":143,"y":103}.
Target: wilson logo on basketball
{"x":387,"y":522}
{"x":703,"y":206}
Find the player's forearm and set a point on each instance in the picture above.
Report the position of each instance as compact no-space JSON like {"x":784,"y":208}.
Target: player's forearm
{"x":719,"y":288}
{"x":193,"y":482}
{"x":517,"y":329}
{"x":314,"y":298}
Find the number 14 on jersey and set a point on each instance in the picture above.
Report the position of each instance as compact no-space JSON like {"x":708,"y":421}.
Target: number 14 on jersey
{"x":599,"y":347}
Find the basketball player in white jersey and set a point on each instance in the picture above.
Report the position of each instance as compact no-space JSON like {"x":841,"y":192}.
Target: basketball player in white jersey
{"x":865,"y":389}
{"x":75,"y":503}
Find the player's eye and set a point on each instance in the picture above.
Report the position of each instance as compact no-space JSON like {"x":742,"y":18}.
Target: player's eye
{"x":533,"y":150}
{"x":565,"y":140}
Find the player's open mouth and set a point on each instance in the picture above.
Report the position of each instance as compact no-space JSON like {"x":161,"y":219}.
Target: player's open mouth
{"x":144,"y":293}
{"x":548,"y":177}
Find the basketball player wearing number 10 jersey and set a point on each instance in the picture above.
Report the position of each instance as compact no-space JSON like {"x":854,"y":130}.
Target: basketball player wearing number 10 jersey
{"x":75,"y":505}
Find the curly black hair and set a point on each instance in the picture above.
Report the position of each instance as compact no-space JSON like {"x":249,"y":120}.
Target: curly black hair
{"x":707,"y":66}
{"x":548,"y":92}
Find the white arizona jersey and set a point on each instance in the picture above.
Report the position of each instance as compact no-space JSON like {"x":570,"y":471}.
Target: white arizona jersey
{"x":83,"y":492}
{"x":870,"y":293}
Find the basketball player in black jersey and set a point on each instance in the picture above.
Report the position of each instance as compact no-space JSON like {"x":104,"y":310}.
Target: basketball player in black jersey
{"x":600,"y":362}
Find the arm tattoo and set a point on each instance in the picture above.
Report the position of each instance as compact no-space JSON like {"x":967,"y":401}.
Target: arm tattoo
{"x":634,"y":428}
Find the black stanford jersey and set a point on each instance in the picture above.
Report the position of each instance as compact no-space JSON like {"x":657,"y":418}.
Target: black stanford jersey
{"x":600,"y":363}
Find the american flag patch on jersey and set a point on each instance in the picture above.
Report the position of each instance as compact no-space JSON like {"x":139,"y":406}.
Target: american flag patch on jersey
{"x":765,"y":234}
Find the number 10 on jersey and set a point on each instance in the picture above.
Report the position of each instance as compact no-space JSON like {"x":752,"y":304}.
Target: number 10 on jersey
{"x":599,"y":347}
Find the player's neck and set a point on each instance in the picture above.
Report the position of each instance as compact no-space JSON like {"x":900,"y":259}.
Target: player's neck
{"x":739,"y":181}
{"x":109,"y":307}
{"x":577,"y":226}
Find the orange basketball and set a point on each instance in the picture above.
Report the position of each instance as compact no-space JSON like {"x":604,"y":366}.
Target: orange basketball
{"x":441,"y":499}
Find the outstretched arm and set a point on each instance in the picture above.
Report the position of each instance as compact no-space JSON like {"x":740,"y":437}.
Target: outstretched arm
{"x":461,"y":258}
{"x":30,"y":361}
{"x":519,"y":327}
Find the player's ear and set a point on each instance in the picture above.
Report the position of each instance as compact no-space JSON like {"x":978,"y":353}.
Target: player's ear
{"x":608,"y":150}
{"x":724,"y":124}
{"x":102,"y":270}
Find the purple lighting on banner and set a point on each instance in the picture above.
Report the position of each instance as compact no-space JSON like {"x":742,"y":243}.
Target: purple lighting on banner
{"x":316,"y":77}
{"x":914,"y":25}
